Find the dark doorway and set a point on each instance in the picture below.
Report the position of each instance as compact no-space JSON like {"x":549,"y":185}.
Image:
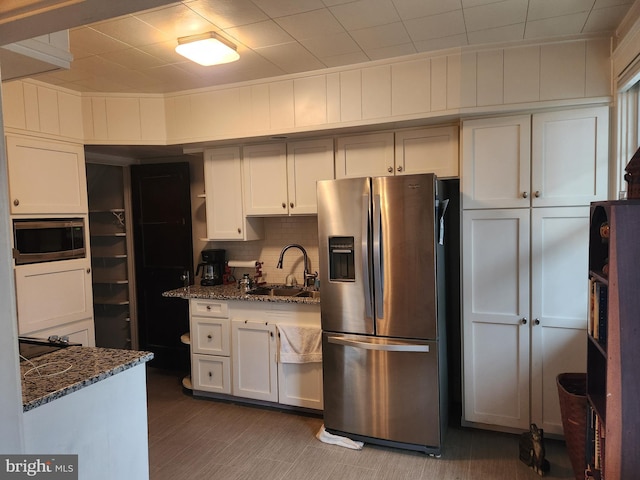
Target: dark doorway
{"x":163,"y":252}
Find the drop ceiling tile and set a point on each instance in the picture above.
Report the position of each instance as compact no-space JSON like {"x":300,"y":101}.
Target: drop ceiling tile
{"x":365,"y":13}
{"x":331,"y":3}
{"x":131,"y":30}
{"x":475,"y":3}
{"x":345,"y":59}
{"x":422,"y":8}
{"x":435,"y":26}
{"x":311,"y":24}
{"x":605,"y":19}
{"x":94,"y":42}
{"x":611,"y":3}
{"x":165,"y":51}
{"x":228,"y":13}
{"x":176,"y":21}
{"x":290,"y":57}
{"x":564,"y":25}
{"x":261,"y":34}
{"x":331,"y":45}
{"x":539,"y":9}
{"x":494,"y":15}
{"x":391,"y":51}
{"x":133,"y":58}
{"x":280,"y":8}
{"x":441,"y":43}
{"x":381,"y":36}
{"x":509,"y":33}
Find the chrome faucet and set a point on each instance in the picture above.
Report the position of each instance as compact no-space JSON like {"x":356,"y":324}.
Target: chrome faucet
{"x":307,"y":276}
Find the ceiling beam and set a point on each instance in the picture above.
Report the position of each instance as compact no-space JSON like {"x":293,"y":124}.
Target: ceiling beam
{"x":38,"y":21}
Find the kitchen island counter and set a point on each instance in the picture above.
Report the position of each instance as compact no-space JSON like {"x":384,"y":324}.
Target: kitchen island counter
{"x":231,"y":292}
{"x":70,"y":369}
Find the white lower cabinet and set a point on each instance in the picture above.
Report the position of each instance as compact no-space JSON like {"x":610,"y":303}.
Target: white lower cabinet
{"x":255,"y":373}
{"x":300,"y":385}
{"x":210,"y":346}
{"x":211,"y":373}
{"x":234,"y":351}
{"x":525,"y":312}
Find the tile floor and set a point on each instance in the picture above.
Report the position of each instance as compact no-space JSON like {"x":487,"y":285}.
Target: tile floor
{"x":197,"y":439}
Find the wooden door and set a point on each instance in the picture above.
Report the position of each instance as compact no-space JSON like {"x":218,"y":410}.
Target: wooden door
{"x":368,"y":155}
{"x":163,"y":253}
{"x":427,"y":150}
{"x":496,"y":155}
{"x":495,"y":317}
{"x":570,"y":153}
{"x":265,"y":179}
{"x":559,"y":301}
{"x":307,"y":162}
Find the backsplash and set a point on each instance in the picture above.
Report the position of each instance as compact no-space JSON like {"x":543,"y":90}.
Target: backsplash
{"x":278,"y":232}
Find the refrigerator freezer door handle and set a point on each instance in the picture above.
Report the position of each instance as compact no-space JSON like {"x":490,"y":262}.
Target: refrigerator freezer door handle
{"x":366,"y":216}
{"x":377,"y":257}
{"x":377,"y":346}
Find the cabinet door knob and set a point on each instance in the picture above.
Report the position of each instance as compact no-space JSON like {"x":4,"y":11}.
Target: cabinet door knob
{"x":399,"y":168}
{"x":523,"y":320}
{"x":284,"y":205}
{"x":390,"y":169}
{"x":209,"y":336}
{"x":210,"y":374}
{"x":16,"y":202}
{"x":239,"y":230}
{"x":537,"y":194}
{"x":208,"y":307}
{"x":536,"y":321}
{"x":525,"y":194}
{"x":88,"y":270}
{"x":291,"y":205}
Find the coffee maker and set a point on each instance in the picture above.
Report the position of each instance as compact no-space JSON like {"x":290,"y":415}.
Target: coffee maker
{"x":212,"y":267}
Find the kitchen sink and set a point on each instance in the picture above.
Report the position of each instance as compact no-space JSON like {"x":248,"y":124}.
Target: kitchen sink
{"x":284,"y":292}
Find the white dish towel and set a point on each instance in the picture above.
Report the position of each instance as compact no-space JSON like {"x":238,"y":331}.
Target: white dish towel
{"x":299,"y":344}
{"x":332,"y":439}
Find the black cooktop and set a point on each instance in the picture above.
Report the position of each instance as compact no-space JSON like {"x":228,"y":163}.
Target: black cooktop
{"x":34,"y":347}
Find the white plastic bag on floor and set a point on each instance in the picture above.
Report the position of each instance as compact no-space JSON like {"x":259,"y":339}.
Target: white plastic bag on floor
{"x":329,"y":438}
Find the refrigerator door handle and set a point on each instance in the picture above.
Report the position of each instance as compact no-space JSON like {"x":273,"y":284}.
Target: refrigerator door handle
{"x":366,"y":217}
{"x":377,"y":257}
{"x":378,"y":346}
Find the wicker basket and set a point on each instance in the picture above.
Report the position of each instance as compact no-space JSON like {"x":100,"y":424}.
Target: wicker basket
{"x":572,"y":391}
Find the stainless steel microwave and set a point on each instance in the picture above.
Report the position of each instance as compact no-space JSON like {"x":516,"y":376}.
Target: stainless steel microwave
{"x":48,"y":240}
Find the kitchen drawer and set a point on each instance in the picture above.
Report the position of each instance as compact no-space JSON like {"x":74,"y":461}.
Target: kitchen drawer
{"x":210,"y":335}
{"x":210,"y":373}
{"x":209,"y":308}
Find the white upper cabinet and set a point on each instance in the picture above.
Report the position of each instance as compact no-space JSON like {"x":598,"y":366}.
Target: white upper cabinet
{"x":496,"y":155}
{"x":281,"y":179}
{"x":46,"y":177}
{"x":547,"y":159}
{"x":307,"y":162}
{"x":265,"y":179}
{"x":427,"y":150}
{"x":223,"y":185}
{"x":570,"y":153}
{"x":369,"y":155}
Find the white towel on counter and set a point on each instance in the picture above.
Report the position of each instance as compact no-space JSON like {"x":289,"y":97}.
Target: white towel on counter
{"x":299,"y":344}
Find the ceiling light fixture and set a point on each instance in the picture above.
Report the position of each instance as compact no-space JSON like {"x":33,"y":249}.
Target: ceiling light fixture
{"x":207,"y":49}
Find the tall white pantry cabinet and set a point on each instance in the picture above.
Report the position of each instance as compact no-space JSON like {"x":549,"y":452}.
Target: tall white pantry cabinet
{"x":527,"y":182}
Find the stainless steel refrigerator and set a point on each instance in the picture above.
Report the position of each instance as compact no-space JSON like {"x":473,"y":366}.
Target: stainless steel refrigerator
{"x":383,"y":317}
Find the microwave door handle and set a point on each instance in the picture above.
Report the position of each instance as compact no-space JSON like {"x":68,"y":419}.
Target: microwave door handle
{"x":366,"y":274}
{"x":377,"y":257}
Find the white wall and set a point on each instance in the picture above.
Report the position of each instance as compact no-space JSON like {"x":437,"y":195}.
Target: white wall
{"x":11,"y":432}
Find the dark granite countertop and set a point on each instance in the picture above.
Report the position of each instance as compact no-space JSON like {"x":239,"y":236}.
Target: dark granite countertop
{"x":70,"y":369}
{"x":231,"y":292}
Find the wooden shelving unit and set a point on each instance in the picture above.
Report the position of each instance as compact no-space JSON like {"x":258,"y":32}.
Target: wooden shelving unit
{"x":613,"y":349}
{"x":112,"y":266}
